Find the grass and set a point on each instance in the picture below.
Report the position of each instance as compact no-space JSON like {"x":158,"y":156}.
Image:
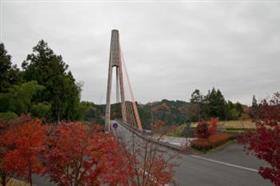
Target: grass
{"x":234,"y":124}
{"x":15,"y":182}
{"x":178,"y":131}
{"x":238,"y":124}
{"x":227,"y":126}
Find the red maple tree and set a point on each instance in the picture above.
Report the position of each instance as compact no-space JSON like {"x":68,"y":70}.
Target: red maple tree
{"x":212,"y":126}
{"x":265,"y":142}
{"x":205,"y":129}
{"x":79,"y":155}
{"x":26,"y":142}
{"x":4,"y":174}
{"x":202,"y":129}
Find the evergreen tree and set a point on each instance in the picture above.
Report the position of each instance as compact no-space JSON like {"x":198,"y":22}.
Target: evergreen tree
{"x":49,"y":70}
{"x":254,"y":108}
{"x":8,"y":74}
{"x":196,"y":97}
{"x":197,"y":105}
{"x":216,"y":104}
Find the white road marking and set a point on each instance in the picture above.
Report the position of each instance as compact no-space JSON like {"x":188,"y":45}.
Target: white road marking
{"x":225,"y":163}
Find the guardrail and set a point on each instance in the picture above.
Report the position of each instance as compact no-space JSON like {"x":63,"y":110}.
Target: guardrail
{"x":149,"y":138}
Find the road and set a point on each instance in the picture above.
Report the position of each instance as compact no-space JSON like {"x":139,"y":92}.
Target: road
{"x":227,"y":167}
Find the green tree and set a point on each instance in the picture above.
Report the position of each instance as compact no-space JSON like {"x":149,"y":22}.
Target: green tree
{"x":196,"y":97}
{"x":41,"y":110}
{"x":18,"y":99}
{"x":232,"y":111}
{"x":49,"y":70}
{"x":215,"y":104}
{"x":254,"y":108}
{"x":9,"y":74}
{"x":197,"y":105}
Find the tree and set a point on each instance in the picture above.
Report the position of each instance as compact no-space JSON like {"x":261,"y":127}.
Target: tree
{"x":205,"y":129}
{"x":18,"y":99}
{"x":197,"y":101}
{"x":78,"y":155}
{"x":202,"y":130}
{"x":265,"y":142}
{"x":28,"y":141}
{"x":4,"y":174}
{"x":212,"y":126}
{"x":215,"y":103}
{"x":8,"y":74}
{"x":233,"y":110}
{"x":254,"y":108}
{"x":49,"y":70}
{"x":196,"y":97}
{"x":40,"y":110}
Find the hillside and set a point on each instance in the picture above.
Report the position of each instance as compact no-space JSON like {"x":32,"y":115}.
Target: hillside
{"x":171,"y":112}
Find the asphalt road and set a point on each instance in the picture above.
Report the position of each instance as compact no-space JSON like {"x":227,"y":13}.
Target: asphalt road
{"x":229,"y":166}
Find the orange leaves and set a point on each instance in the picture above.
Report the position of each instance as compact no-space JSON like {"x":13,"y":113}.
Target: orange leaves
{"x":208,"y":137}
{"x":210,"y":142}
{"x":212,"y":125}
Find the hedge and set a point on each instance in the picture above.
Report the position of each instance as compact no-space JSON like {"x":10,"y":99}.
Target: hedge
{"x":205,"y":144}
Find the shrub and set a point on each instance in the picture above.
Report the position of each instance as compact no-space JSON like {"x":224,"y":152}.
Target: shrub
{"x":202,"y":130}
{"x":212,"y":126}
{"x":219,"y":139}
{"x":7,"y":116}
{"x":205,"y":144}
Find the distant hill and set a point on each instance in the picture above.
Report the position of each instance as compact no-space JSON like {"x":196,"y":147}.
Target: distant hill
{"x":171,"y":112}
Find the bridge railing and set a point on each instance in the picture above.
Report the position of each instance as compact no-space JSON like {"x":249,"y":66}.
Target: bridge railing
{"x":150,"y":138}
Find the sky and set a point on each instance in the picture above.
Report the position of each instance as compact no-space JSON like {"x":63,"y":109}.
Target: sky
{"x":170,"y":47}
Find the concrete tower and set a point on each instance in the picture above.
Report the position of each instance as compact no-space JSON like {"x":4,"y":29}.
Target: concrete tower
{"x":115,"y":62}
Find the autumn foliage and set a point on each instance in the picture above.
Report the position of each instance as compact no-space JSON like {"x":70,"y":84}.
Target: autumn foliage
{"x":212,"y":126}
{"x":265,"y":142}
{"x":81,"y":156}
{"x":207,"y":136}
{"x":69,"y":154}
{"x":23,"y":143}
{"x":212,"y":141}
{"x":205,"y":129}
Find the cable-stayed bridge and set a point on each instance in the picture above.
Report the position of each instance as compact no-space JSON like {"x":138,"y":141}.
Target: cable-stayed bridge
{"x":228,"y":167}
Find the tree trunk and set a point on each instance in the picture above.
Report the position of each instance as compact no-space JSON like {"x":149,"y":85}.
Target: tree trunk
{"x":3,"y":179}
{"x":30,"y":173}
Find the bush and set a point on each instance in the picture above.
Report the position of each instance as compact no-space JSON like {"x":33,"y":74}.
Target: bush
{"x":202,"y":130}
{"x":40,"y":110}
{"x":205,"y":129}
{"x":205,"y":144}
{"x":7,"y":116}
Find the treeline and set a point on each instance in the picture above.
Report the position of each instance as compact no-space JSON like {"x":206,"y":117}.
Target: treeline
{"x":213,"y":104}
{"x":43,"y":87}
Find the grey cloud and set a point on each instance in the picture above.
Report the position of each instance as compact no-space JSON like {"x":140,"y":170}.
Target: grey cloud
{"x":169,"y":48}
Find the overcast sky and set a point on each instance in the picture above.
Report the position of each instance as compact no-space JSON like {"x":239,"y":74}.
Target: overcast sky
{"x":170,"y":48}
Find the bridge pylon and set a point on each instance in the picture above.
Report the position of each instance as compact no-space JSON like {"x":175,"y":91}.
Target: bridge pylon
{"x":116,"y":62}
